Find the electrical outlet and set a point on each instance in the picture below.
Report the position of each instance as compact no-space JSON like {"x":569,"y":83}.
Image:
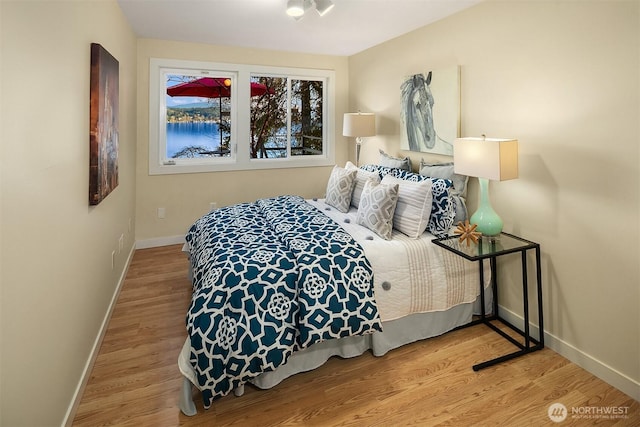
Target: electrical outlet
{"x":121,"y":243}
{"x":162,"y":212}
{"x":213,"y":206}
{"x":113,"y":260}
{"x":129,"y":225}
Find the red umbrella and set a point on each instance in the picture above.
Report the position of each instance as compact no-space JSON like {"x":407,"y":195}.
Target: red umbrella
{"x":211,"y":87}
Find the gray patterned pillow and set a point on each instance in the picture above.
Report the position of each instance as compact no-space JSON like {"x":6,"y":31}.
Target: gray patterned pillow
{"x":361,"y":177}
{"x":459,"y":189}
{"x":377,"y":206}
{"x":394,"y":162}
{"x":445,"y":170}
{"x":340,"y":187}
{"x":414,"y":205}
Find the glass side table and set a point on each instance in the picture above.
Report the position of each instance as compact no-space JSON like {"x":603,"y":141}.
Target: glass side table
{"x":491,"y":248}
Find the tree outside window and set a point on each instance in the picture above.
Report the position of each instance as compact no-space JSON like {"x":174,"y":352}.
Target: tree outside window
{"x":287,"y":120}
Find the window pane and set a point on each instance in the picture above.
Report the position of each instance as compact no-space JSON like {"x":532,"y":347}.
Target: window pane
{"x":198,"y":116}
{"x":286,"y":117}
{"x":306,"y":118}
{"x":269,"y":137}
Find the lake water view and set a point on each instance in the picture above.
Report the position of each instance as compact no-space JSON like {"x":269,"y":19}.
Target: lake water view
{"x":207,"y":135}
{"x":181,"y":135}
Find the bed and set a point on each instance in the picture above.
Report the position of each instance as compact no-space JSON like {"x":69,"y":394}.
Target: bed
{"x":283,"y":284}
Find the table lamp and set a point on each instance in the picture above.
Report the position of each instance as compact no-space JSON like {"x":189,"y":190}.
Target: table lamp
{"x":359,"y":125}
{"x":487,"y":159}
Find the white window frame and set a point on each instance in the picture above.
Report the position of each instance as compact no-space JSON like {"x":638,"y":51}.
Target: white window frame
{"x":239,"y":158}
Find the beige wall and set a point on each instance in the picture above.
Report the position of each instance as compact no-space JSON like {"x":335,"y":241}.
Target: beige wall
{"x":187,"y":196}
{"x":57,"y":280}
{"x":563,"y":78}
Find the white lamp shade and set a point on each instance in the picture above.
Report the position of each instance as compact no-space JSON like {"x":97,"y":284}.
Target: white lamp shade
{"x":359,"y":124}
{"x":490,"y":158}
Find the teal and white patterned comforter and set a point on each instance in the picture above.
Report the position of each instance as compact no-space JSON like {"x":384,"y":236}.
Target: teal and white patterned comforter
{"x":270,"y":278}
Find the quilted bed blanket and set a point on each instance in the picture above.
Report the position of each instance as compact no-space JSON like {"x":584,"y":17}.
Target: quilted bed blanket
{"x":270,"y":278}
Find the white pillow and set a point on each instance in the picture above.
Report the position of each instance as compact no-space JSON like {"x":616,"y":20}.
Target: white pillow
{"x":340,"y":187}
{"x":377,"y":205}
{"x":362,"y":176}
{"x":413,"y":210}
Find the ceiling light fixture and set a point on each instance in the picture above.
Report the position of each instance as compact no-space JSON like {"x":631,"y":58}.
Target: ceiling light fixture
{"x":323,"y":6}
{"x":297,"y":8}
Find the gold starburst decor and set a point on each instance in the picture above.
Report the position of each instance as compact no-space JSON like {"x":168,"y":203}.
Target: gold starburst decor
{"x":467,"y":232}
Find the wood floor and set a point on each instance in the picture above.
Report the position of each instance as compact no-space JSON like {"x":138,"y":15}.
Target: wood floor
{"x":136,"y":382}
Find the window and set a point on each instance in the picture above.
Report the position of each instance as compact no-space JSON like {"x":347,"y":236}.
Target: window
{"x":288,"y":121}
{"x":197,"y":116}
{"x":212,"y":117}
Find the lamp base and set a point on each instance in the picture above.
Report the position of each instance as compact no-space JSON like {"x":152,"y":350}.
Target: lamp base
{"x":487,"y":220}
{"x":358,"y":146}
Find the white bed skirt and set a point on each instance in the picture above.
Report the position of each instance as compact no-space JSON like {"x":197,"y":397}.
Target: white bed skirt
{"x":396,"y":333}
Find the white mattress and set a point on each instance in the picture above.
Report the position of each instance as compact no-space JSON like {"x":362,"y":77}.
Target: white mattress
{"x":411,"y":275}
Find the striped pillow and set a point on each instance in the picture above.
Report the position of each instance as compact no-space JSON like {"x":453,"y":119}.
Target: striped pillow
{"x":362,"y":176}
{"x":413,"y":209}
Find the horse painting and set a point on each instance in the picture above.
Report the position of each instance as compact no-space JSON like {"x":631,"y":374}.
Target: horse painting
{"x":425,"y":127}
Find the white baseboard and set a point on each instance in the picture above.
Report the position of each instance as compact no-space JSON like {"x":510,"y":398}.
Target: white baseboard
{"x":86,"y":373}
{"x":160,"y":241}
{"x":601,"y":370}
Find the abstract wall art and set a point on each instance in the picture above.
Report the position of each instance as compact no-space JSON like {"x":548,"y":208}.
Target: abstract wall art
{"x":103,"y":126}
